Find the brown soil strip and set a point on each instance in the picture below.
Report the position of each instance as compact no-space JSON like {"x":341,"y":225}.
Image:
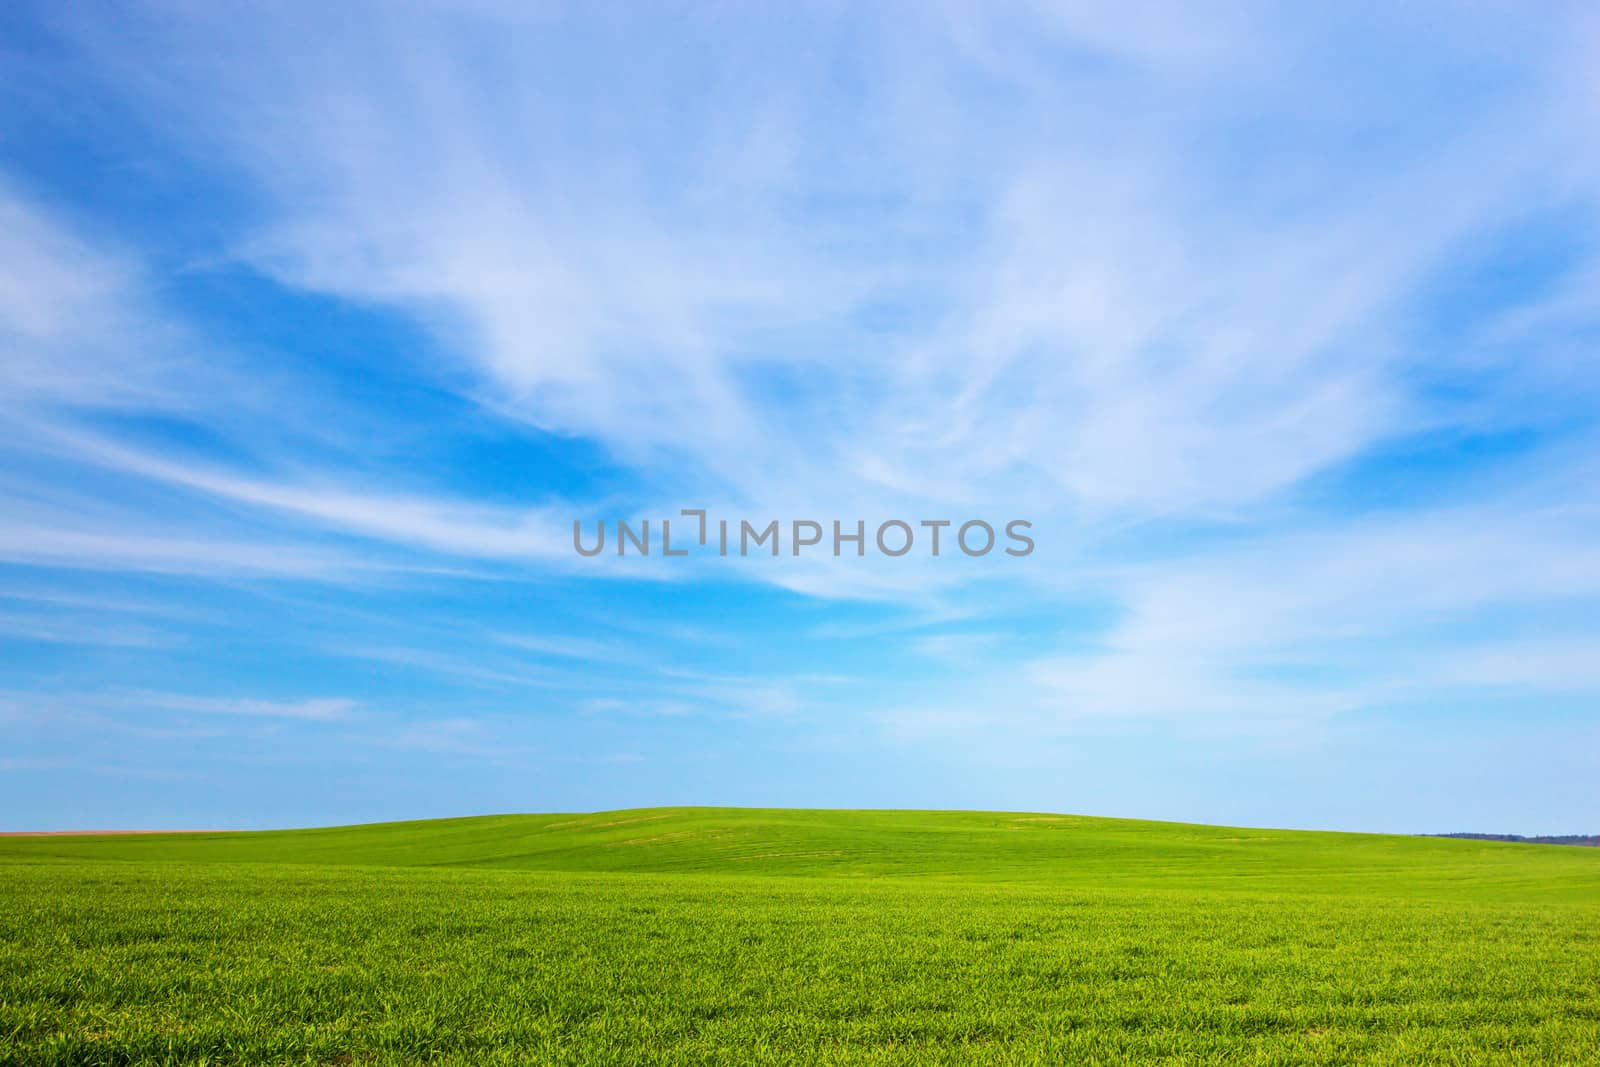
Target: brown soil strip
{"x":97,"y":833}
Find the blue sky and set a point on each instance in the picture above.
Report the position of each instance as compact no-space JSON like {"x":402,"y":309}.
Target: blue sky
{"x":319,"y":326}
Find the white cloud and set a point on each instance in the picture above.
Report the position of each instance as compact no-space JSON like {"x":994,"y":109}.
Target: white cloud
{"x":73,"y":323}
{"x":1373,"y":611}
{"x":133,"y":709}
{"x":316,"y":709}
{"x":47,"y":544}
{"x":1138,"y":267}
{"x":1115,"y":312}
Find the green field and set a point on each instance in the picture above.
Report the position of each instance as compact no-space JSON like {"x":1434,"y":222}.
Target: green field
{"x":739,"y":936}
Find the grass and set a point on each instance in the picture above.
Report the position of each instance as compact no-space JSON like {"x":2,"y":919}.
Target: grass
{"x":726,"y":936}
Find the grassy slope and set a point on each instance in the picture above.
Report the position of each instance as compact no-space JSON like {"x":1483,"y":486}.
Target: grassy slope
{"x":714,"y":936}
{"x":1014,"y":847}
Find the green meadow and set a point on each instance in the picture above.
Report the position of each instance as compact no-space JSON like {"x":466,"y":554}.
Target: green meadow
{"x":719,"y":936}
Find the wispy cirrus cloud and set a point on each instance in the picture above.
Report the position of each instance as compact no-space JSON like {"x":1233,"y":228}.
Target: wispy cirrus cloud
{"x":1128,"y":309}
{"x":317,"y":709}
{"x":1120,"y":312}
{"x":1277,"y":325}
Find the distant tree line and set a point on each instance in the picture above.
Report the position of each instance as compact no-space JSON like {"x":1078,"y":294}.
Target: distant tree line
{"x":1592,"y":840}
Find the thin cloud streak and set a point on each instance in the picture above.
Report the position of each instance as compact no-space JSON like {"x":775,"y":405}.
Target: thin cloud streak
{"x":1276,"y":325}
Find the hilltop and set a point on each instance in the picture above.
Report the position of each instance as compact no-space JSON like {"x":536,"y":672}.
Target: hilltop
{"x":1039,"y":848}
{"x":752,"y":936}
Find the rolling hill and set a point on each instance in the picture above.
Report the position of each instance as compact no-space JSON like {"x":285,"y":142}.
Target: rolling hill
{"x":733,"y":936}
{"x":949,"y":845}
